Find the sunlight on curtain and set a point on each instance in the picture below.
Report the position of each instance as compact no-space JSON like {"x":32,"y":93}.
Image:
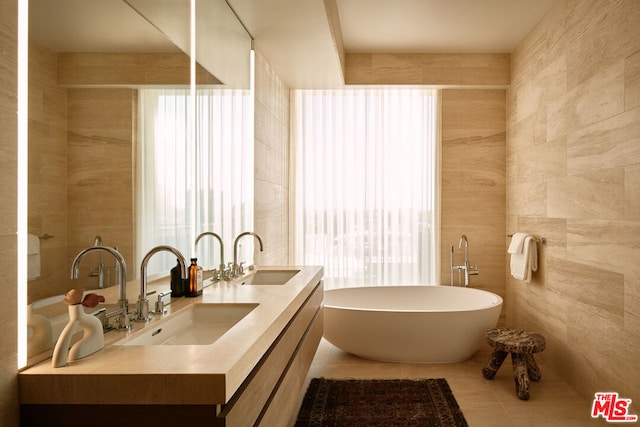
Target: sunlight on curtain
{"x":365,"y":183}
{"x":223,"y":188}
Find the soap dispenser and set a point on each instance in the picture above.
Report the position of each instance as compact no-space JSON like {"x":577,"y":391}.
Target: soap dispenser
{"x":178,"y":284}
{"x":195,"y":279}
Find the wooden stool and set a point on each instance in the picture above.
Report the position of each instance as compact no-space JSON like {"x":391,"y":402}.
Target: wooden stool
{"x":522,"y":345}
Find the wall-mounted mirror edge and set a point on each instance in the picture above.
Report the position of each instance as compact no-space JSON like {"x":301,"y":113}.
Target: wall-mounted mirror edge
{"x":80,"y":100}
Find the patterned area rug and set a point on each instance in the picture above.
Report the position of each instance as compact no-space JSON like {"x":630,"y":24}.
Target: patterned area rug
{"x":383,"y":403}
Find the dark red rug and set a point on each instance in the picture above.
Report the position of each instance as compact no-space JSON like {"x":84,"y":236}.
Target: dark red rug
{"x":383,"y":403}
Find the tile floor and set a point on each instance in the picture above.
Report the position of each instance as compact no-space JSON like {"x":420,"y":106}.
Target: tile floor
{"x":491,"y":403}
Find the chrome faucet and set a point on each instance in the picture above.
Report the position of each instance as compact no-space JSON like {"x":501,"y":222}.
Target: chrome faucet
{"x":236,"y":270}
{"x":209,"y":233}
{"x":469,"y":270}
{"x":123,"y":304}
{"x":142,"y":305}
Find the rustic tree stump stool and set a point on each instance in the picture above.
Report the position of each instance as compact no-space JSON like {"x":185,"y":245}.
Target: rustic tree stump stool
{"x":522,"y":345}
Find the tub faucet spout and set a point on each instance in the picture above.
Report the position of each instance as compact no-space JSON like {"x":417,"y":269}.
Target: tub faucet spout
{"x":469,"y":270}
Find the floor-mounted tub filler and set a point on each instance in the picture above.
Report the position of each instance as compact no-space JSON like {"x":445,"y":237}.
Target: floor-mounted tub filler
{"x":411,"y":324}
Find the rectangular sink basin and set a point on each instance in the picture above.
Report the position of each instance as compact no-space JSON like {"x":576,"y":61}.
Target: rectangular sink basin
{"x":269,"y":277}
{"x":199,"y":324}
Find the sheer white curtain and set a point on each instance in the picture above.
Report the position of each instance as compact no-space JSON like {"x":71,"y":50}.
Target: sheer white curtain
{"x":364,"y":179}
{"x":181,"y":194}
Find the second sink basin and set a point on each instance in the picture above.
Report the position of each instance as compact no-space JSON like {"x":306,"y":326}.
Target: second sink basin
{"x":199,"y":324}
{"x":269,"y":277}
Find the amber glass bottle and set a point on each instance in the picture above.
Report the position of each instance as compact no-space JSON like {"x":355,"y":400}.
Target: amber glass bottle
{"x":195,"y":279}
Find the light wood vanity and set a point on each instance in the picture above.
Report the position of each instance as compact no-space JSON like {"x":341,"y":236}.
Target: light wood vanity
{"x":252,"y":375}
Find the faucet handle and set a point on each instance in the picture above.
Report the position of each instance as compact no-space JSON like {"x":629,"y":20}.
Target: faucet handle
{"x":159,"y":309}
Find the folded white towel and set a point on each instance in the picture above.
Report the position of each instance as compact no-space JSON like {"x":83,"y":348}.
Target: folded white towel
{"x":522,"y":264}
{"x":517,"y":243}
{"x":33,"y":244}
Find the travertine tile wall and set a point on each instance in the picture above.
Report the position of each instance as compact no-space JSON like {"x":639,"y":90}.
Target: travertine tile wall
{"x":473,"y":69}
{"x":101,"y":148}
{"x":81,"y":166}
{"x":271,"y":180}
{"x":573,"y":175}
{"x":473,"y":184}
{"x":48,"y":172}
{"x":8,"y":213}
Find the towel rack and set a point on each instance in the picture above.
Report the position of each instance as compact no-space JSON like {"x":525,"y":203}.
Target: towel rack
{"x":542,"y":240}
{"x":46,"y":236}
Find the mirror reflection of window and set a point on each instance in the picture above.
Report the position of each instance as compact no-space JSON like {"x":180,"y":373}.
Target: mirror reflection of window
{"x":216,"y":169}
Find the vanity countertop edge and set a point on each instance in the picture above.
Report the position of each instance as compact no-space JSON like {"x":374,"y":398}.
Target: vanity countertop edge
{"x":176,"y":375}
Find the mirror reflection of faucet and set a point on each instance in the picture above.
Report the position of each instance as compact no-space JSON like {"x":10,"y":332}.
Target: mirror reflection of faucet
{"x":238,"y":269}
{"x":121,"y":313}
{"x":219,"y":273}
{"x":102,"y":271}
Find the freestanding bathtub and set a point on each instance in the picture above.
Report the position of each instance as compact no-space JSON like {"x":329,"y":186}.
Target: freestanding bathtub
{"x":412,"y":324}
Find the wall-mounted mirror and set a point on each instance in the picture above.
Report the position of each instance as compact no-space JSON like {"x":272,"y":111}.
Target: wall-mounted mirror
{"x":87,"y":60}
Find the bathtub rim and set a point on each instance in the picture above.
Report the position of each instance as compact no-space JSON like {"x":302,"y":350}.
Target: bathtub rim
{"x":497,"y":303}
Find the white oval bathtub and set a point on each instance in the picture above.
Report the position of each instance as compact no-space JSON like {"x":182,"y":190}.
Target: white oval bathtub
{"x":414,"y":324}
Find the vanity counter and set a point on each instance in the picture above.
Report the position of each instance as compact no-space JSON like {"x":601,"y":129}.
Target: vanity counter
{"x":179,"y":374}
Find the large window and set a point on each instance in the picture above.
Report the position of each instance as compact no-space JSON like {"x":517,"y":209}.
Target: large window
{"x":194,"y":175}
{"x":365,"y":163}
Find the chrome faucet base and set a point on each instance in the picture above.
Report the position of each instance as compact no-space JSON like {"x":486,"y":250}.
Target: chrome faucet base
{"x":142,"y":310}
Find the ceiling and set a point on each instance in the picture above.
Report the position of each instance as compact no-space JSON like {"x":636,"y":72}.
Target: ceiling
{"x":438,"y":25}
{"x":295,"y":36}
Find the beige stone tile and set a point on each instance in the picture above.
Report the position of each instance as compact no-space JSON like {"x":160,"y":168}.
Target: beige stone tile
{"x":598,"y":194}
{"x":540,"y":47}
{"x":611,"y":143}
{"x":473,"y":109}
{"x":486,"y":415}
{"x":541,"y":161}
{"x":605,"y":343}
{"x":597,"y":98}
{"x":596,"y":291}
{"x":427,"y":68}
{"x":557,"y":114}
{"x":530,"y":414}
{"x":632,"y":192}
{"x":632,"y":81}
{"x":271,"y":156}
{"x":548,"y":85}
{"x":531,"y":130}
{"x":610,"y":245}
{"x":126,"y":68}
{"x":527,"y":199}
{"x":607,"y":37}
{"x":632,"y":302}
